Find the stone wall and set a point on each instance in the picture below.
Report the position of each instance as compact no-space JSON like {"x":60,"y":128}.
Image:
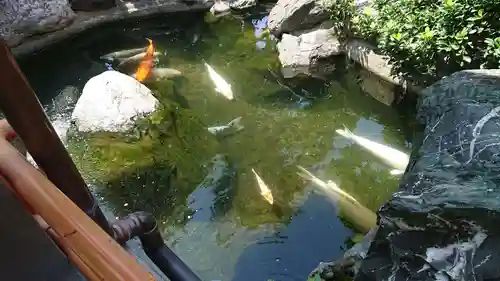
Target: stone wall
{"x":30,"y":25}
{"x":23,"y":18}
{"x":307,"y":41}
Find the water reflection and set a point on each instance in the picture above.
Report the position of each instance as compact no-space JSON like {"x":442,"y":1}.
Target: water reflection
{"x":260,"y":25}
{"x":286,"y":255}
{"x":201,"y":189}
{"x":213,"y":195}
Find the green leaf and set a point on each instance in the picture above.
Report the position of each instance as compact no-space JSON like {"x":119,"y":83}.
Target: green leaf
{"x":480,"y":13}
{"x":462,"y":34}
{"x":397,"y":36}
{"x":427,"y":33}
{"x":467,"y":59}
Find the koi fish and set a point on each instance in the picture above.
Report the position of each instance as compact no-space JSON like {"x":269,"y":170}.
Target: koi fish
{"x":146,"y":63}
{"x":392,"y":157}
{"x":221,"y":86}
{"x":232,"y":127}
{"x":362,"y":218}
{"x":133,"y":60}
{"x":111,"y":57}
{"x":157,"y":74}
{"x":264,"y":190}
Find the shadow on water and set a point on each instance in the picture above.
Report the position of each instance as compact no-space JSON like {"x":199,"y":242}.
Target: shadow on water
{"x":201,"y":188}
{"x":286,"y":255}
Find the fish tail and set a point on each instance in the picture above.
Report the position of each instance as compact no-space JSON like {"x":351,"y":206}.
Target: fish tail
{"x":236,"y":122}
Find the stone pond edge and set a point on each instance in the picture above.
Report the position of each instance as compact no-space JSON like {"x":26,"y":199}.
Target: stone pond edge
{"x":367,"y":56}
{"x":355,"y":49}
{"x":88,"y":20}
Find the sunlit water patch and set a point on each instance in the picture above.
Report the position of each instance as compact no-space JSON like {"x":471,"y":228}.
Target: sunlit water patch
{"x":201,"y":188}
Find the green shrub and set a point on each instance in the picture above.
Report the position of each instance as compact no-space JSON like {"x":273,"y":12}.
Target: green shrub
{"x":428,"y":39}
{"x":341,"y":14}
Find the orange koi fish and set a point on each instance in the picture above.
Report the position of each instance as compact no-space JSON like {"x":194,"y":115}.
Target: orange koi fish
{"x":146,"y":63}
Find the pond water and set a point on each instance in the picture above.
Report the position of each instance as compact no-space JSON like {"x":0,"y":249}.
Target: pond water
{"x":201,"y":188}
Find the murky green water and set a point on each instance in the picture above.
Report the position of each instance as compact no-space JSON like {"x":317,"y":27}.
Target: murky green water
{"x":201,"y":188}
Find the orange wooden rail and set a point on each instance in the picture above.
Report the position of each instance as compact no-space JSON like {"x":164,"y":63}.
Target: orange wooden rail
{"x":98,"y":255}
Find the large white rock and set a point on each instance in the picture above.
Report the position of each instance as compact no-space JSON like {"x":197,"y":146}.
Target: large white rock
{"x":308,"y":53}
{"x":23,"y":18}
{"x":293,"y":15}
{"x":112,"y":101}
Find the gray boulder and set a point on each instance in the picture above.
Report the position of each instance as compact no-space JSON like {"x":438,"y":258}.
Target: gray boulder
{"x":23,"y":18}
{"x":242,"y":4}
{"x":112,"y":102}
{"x":293,"y":15}
{"x":309,"y":53}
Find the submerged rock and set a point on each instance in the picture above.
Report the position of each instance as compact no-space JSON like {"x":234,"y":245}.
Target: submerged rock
{"x":292,"y":15}
{"x":308,"y":53}
{"x":112,"y":101}
{"x":23,"y":18}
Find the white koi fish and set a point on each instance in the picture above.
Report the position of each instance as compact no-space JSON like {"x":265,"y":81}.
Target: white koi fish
{"x":231,"y":127}
{"x":264,"y":190}
{"x":157,"y":74}
{"x":362,"y":218}
{"x":330,"y":185}
{"x":111,"y":57}
{"x":392,"y":157}
{"x":135,"y":60}
{"x":221,"y":86}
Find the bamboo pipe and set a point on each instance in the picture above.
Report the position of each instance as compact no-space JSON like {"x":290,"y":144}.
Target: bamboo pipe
{"x":96,"y":249}
{"x":25,"y":114}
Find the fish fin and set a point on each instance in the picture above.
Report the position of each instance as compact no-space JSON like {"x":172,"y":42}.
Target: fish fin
{"x":396,"y":172}
{"x":149,"y":40}
{"x":107,"y":59}
{"x":236,"y":122}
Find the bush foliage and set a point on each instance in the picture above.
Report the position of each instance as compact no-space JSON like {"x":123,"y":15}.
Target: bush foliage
{"x":428,"y":39}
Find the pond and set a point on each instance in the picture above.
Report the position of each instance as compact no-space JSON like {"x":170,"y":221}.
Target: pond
{"x":200,"y":188}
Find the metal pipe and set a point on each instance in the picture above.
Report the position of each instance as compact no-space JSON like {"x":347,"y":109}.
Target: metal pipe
{"x":25,"y":114}
{"x":144,"y":226}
